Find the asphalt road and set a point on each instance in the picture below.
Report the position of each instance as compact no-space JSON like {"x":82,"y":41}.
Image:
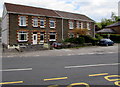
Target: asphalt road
{"x":94,"y":69}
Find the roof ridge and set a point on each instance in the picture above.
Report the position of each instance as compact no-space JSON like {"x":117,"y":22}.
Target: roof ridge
{"x":42,"y":8}
{"x":43,"y":11}
{"x":27,"y":6}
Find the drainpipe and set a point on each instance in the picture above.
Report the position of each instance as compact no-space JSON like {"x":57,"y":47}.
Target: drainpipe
{"x":62,"y":30}
{"x":94,"y":31}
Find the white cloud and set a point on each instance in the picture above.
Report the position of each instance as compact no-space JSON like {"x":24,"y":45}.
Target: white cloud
{"x":96,"y":9}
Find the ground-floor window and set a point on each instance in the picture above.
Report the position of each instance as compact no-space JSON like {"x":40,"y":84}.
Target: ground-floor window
{"x":22,"y":36}
{"x":52,"y":36}
{"x":42,"y":37}
{"x":71,"y":35}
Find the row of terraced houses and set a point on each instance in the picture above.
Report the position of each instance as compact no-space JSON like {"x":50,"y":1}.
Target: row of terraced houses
{"x":23,"y":25}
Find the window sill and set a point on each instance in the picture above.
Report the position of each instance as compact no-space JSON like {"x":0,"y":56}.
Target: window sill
{"x":52,"y":40}
{"x":42,"y":27}
{"x":23,"y":26}
{"x":22,"y":40}
{"x":52,"y":27}
{"x":35,"y":26}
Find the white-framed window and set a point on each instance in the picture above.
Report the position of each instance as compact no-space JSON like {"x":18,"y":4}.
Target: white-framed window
{"x":71,"y":35}
{"x":42,"y":37}
{"x":42,"y":23}
{"x":22,"y":36}
{"x":52,"y":36}
{"x":81,"y":25}
{"x":71,"y":25}
{"x":35,"y":22}
{"x":52,"y":23}
{"x":88,"y":26}
{"x":22,"y":21}
{"x":78,"y":24}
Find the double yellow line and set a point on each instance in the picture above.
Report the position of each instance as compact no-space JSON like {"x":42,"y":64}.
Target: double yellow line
{"x":99,"y":74}
{"x":55,"y":78}
{"x":11,"y":82}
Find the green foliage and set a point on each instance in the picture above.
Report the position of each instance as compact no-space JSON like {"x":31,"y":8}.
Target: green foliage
{"x":0,"y":19}
{"x":104,"y":22}
{"x":99,"y":25}
{"x":84,"y":39}
{"x":87,"y":38}
{"x":79,"y":40}
{"x":98,"y":36}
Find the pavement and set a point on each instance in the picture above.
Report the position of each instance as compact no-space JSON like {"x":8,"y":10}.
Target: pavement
{"x":66,"y":52}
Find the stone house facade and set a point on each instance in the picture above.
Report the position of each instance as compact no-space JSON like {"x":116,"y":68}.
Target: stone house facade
{"x":23,"y":25}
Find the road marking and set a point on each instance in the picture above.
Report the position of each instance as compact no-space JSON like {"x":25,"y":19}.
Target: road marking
{"x":11,"y":82}
{"x":110,"y":76}
{"x":55,"y":78}
{"x":75,"y":84}
{"x":100,"y":74}
{"x":16,"y":69}
{"x":117,"y":83}
{"x":83,"y":66}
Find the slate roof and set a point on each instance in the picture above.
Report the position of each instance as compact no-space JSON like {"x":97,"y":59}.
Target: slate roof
{"x":106,"y":30}
{"x":113,"y":25}
{"x":29,"y":10}
{"x":73,"y":15}
{"x":44,"y":12}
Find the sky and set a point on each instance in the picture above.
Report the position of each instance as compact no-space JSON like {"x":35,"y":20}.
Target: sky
{"x":95,"y":9}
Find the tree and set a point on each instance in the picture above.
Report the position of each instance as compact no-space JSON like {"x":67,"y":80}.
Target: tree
{"x":104,"y":22}
{"x":80,"y":31}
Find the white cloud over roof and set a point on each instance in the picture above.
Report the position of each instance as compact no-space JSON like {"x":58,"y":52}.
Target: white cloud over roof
{"x":95,"y":9}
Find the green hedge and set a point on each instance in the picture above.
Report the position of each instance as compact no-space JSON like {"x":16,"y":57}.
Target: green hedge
{"x":87,"y":38}
{"x":79,"y":40}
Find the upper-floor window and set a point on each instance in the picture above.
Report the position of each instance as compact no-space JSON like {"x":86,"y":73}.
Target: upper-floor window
{"x":81,"y":25}
{"x":35,"y":22}
{"x":88,"y":26}
{"x":52,"y":23}
{"x":71,"y":25}
{"x":22,"y":36}
{"x":22,"y":21}
{"x":78,"y":24}
{"x":42,"y":23}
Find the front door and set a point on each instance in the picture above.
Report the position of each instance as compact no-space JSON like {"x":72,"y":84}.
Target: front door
{"x":34,"y":38}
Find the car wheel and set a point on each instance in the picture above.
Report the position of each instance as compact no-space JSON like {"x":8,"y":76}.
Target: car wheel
{"x":106,"y":44}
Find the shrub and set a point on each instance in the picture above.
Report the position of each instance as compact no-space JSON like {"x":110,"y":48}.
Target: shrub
{"x":88,"y":39}
{"x":94,"y":41}
{"x":79,"y":40}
